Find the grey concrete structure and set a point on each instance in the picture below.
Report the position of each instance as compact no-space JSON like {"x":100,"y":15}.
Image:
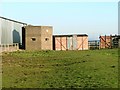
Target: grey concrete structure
{"x":37,"y":37}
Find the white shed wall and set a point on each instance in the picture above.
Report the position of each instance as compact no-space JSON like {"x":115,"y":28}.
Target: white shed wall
{"x":0,"y":30}
{"x":10,"y":32}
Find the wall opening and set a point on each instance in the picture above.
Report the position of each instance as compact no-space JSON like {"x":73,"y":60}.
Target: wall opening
{"x":46,"y":39}
{"x":33,"y":39}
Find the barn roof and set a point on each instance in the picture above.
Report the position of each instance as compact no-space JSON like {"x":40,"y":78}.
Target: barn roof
{"x":70,"y":35}
{"x":13,"y":20}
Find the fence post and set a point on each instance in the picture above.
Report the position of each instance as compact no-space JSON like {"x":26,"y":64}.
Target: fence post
{"x":5,"y":47}
{"x":1,"y":48}
{"x":17,"y":47}
{"x":100,"y":42}
{"x":119,"y":43}
{"x":82,"y":42}
{"x":8,"y":48}
{"x":111,"y":41}
{"x":105,"y":41}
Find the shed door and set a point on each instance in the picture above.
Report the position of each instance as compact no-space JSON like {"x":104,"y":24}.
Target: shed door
{"x":74,"y":42}
{"x":69,"y":43}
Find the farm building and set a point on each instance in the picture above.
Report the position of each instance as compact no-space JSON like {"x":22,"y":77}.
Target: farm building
{"x":70,"y":42}
{"x":37,"y":37}
{"x":10,"y":33}
{"x":16,"y":35}
{"x":111,"y":41}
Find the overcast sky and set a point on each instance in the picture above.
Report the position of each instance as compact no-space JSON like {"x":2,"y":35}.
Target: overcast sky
{"x":92,"y":18}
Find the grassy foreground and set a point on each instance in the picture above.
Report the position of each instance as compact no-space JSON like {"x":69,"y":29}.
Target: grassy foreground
{"x":61,"y":69}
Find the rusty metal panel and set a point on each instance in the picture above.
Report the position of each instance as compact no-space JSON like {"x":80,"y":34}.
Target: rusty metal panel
{"x":71,"y":42}
{"x":60,"y":43}
{"x":85,"y":43}
{"x":82,"y":43}
{"x":57,"y":43}
{"x":79,"y":41}
{"x":63,"y":43}
{"x":105,"y":41}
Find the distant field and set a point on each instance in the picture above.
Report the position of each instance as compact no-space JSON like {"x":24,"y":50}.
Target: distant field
{"x":61,"y":69}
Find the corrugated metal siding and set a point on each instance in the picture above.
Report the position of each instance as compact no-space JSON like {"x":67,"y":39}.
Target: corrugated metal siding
{"x":105,"y":41}
{"x":74,"y":42}
{"x":0,"y":30}
{"x":69,"y":43}
{"x":82,"y":43}
{"x":10,"y":32}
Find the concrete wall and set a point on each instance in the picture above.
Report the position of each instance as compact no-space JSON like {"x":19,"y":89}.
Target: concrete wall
{"x":32,"y":33}
{"x":46,"y":38}
{"x":38,"y":38}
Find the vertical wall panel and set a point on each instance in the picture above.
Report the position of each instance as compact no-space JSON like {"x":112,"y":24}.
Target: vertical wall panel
{"x":74,"y":42}
{"x":85,"y":43}
{"x":3,"y":36}
{"x":79,"y":41}
{"x":71,"y":42}
{"x":10,"y":32}
{"x":0,"y":29}
{"x":68,"y":43}
{"x":57,"y":43}
{"x":6,"y":32}
{"x":63,"y":39}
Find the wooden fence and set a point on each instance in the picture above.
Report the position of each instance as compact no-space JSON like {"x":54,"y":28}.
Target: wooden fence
{"x":94,"y":44}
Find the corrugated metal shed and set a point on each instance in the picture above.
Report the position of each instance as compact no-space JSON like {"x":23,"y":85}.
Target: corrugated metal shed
{"x":70,"y":42}
{"x":111,"y":41}
{"x":10,"y":31}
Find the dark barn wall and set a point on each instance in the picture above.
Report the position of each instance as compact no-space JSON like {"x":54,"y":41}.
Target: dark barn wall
{"x":23,"y":38}
{"x":53,"y":42}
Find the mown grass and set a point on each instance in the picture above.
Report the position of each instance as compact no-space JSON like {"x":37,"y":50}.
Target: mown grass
{"x":61,"y":69}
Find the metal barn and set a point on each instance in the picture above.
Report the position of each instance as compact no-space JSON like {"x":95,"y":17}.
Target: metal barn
{"x":10,"y":33}
{"x":70,"y":42}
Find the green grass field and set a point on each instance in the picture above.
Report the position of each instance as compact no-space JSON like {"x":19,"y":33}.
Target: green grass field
{"x":61,"y":69}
